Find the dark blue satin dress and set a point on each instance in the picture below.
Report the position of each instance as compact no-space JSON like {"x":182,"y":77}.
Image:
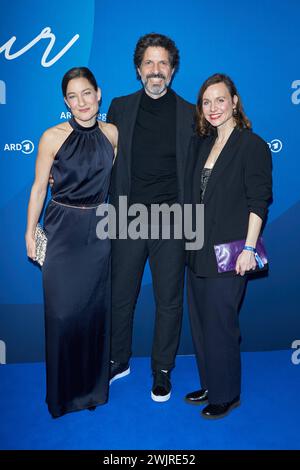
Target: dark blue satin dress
{"x":76,"y":274}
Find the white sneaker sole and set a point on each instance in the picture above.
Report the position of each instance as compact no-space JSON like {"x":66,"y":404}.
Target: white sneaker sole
{"x":160,"y":398}
{"x":119,"y":376}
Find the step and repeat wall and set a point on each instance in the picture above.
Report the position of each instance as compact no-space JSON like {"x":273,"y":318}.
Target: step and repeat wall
{"x":257,"y":43}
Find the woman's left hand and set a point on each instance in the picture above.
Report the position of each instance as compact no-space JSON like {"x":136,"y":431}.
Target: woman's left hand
{"x":245,"y":262}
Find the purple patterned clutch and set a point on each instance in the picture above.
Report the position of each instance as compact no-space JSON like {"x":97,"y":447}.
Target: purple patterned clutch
{"x":227,"y":254}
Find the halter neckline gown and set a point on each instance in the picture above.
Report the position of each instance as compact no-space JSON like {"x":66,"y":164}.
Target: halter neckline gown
{"x":76,"y":274}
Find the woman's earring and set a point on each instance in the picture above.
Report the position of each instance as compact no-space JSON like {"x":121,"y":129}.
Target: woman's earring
{"x":234,"y":113}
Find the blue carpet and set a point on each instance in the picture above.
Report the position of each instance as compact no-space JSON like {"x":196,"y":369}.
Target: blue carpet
{"x":268,"y":417}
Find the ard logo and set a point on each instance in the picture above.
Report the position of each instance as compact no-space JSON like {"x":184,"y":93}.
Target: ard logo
{"x":2,"y":352}
{"x":26,"y":147}
{"x":275,"y":145}
{"x":68,"y":115}
{"x":2,"y":92}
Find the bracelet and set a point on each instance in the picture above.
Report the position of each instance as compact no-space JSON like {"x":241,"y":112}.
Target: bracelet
{"x":256,"y":255}
{"x":249,"y":248}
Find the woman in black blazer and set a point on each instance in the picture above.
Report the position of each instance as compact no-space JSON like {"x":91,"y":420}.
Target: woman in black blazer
{"x":229,"y":170}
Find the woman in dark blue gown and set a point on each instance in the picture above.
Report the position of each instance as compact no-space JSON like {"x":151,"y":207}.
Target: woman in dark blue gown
{"x":76,"y":272}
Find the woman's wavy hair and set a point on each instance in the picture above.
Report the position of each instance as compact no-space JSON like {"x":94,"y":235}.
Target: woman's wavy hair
{"x":203,"y":127}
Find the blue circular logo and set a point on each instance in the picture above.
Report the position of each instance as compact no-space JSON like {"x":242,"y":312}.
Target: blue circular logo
{"x":275,"y":145}
{"x":27,"y":147}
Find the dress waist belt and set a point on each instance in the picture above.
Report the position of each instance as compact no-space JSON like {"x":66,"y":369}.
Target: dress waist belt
{"x":83,"y":206}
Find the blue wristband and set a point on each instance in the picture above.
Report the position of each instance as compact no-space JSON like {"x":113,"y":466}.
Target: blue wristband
{"x":256,"y":255}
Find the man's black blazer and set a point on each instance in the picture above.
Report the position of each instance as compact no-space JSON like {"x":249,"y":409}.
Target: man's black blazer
{"x":240,"y":183}
{"x":123,"y":113}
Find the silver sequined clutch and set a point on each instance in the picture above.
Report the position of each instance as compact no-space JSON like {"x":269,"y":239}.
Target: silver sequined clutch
{"x":40,"y":245}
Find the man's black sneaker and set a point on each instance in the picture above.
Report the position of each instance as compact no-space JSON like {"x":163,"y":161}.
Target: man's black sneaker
{"x":161,"y":390}
{"x":118,"y":370}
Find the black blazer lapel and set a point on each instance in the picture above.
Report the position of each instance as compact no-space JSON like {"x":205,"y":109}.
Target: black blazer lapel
{"x":201,"y":153}
{"x":183,"y":135}
{"x":223,"y":161}
{"x":130,"y":114}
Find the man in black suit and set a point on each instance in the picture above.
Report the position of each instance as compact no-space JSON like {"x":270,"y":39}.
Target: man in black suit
{"x":155,"y":126}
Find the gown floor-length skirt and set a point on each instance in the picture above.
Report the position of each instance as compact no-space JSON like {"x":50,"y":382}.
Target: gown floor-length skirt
{"x":76,"y":279}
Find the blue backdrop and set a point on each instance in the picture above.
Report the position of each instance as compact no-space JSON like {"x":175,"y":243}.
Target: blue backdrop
{"x":257,"y":45}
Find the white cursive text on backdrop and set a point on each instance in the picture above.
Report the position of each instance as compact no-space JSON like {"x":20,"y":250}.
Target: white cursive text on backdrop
{"x":45,"y":34}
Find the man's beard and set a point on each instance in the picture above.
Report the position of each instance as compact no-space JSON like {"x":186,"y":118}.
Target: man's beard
{"x":156,"y":89}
